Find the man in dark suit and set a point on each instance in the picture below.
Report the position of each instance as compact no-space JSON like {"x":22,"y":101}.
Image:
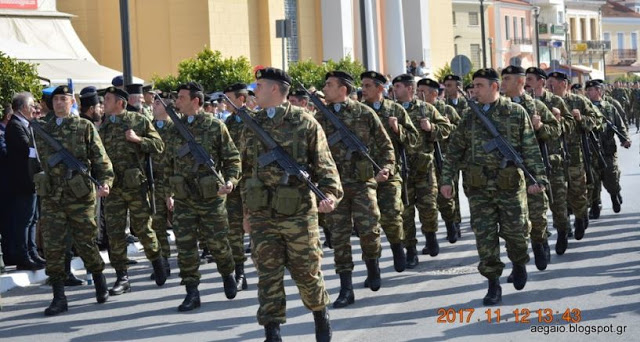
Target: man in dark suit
{"x":23,"y":158}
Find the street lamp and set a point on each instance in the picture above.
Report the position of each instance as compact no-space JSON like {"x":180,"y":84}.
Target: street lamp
{"x":536,"y":13}
{"x":491,"y":51}
{"x":484,"y":47}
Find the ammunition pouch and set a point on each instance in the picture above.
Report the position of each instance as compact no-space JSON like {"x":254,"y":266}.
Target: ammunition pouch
{"x":208,"y":186}
{"x":79,"y":185}
{"x":132,"y":179}
{"x":475,"y":176}
{"x":256,"y":194}
{"x":179,"y":187}
{"x":363,"y":170}
{"x":42,"y":183}
{"x":286,"y":200}
{"x":510,"y":178}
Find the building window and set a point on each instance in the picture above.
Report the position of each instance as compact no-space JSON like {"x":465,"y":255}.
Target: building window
{"x":291,"y":13}
{"x":620,"y":40}
{"x":507,"y":36}
{"x":560,"y":18}
{"x":473,"y":19}
{"x":523,"y":27}
{"x":454,"y":17}
{"x":607,"y":36}
{"x":515,"y":28}
{"x":475,"y":55}
{"x":634,"y":40}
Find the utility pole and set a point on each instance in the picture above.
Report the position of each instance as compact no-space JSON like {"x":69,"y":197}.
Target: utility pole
{"x":484,"y":43}
{"x":536,"y":11}
{"x":126,"y":42}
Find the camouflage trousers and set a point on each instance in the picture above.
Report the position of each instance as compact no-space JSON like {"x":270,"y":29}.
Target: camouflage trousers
{"x":577,"y":190}
{"x":559,"y":205}
{"x":389,"y":196}
{"x":609,"y":177}
{"x":77,"y":217}
{"x":160,"y":222}
{"x":236,"y":231}
{"x":116,"y":206}
{"x":422,"y":189}
{"x":358,"y":208}
{"x":538,"y":205}
{"x":495,"y":214}
{"x":195,"y":218}
{"x":450,"y":208}
{"x":292,"y":242}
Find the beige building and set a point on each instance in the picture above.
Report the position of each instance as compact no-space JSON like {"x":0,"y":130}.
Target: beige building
{"x":620,"y":25}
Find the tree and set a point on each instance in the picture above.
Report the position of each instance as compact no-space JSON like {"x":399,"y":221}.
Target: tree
{"x":312,"y":74}
{"x":209,"y":69}
{"x":16,"y":76}
{"x":446,"y":70}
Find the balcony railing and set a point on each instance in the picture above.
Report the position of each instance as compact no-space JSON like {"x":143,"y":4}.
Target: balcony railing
{"x":590,"y":45}
{"x":521,"y":41}
{"x":623,"y":56}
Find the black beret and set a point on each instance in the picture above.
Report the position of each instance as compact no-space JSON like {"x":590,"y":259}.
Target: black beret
{"x":452,"y":78}
{"x":513,"y":70}
{"x":468,"y":86}
{"x":344,"y":76}
{"x":88,"y":90}
{"x":190,"y":86}
{"x":558,"y":75}
{"x":429,"y":83}
{"x":374,"y":75}
{"x":135,"y":88}
{"x":61,"y":90}
{"x":403,"y":78}
{"x":486,"y":73}
{"x":89,"y":99}
{"x":576,"y":86}
{"x":601,"y":81}
{"x":537,"y":71}
{"x":118,"y":81}
{"x":274,"y":74}
{"x":118,"y":92}
{"x":299,"y":93}
{"x":593,"y":83}
{"x":236,"y":87}
{"x":251,"y":93}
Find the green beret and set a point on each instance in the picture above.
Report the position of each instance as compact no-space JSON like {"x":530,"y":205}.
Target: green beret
{"x":487,"y":73}
{"x":513,"y":70}
{"x":374,"y":75}
{"x":403,"y":78}
{"x":344,"y":76}
{"x":429,"y":83}
{"x":274,"y":74}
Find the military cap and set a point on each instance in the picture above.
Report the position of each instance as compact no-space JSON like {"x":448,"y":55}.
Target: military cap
{"x":601,"y":81}
{"x":429,"y":83}
{"x":299,"y":93}
{"x":117,"y":81}
{"x":403,"y":78}
{"x":88,"y":99}
{"x":558,"y":75}
{"x":61,"y":90}
{"x":374,"y":75}
{"x":273,"y":74}
{"x":241,"y":87}
{"x":451,"y":77}
{"x":88,"y":90}
{"x":576,"y":86}
{"x":536,"y":71}
{"x":135,"y":88}
{"x":468,"y":86}
{"x":593,"y":83}
{"x":118,"y":92}
{"x":513,"y":70}
{"x":344,"y":76}
{"x":190,"y":86}
{"x":487,"y":73}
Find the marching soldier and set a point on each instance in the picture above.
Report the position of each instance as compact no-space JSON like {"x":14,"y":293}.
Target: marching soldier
{"x":198,"y":200}
{"x":452,"y":95}
{"x":497,"y":195}
{"x":359,"y":207}
{"x":404,"y":135}
{"x":127,"y":137}
{"x":68,"y":203}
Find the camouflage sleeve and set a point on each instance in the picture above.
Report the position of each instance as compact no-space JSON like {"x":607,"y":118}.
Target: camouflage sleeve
{"x":622,"y":128}
{"x":168,"y":160}
{"x":591,"y":117}
{"x":384,"y":155}
{"x":151,"y":141}
{"x":531,"y":155}
{"x":440,"y":127}
{"x":551,"y":126}
{"x":229,"y":156}
{"x":456,"y":151}
{"x":407,"y":132}
{"x":101,"y":167}
{"x":325,"y":172}
{"x":452,"y":114}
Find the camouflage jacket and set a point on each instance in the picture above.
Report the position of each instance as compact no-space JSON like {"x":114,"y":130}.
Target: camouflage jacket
{"x":407,"y":135}
{"x":607,"y":138}
{"x":590,"y":121}
{"x":80,"y":137}
{"x":466,"y":146}
{"x":441,"y":128}
{"x":302,"y":137}
{"x":623,"y":96}
{"x":163,"y":127}
{"x":460,"y":104}
{"x":125,"y":154}
{"x":366,"y":125}
{"x":450,"y":113}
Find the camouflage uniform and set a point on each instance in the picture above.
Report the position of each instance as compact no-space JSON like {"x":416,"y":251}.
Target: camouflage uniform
{"x":459,"y":104}
{"x":199,"y":212}
{"x":389,"y":193}
{"x":161,"y":219}
{"x":129,"y":187}
{"x":622,"y":95}
{"x":497,"y":197}
{"x":449,"y":208}
{"x":635,"y":111}
{"x":359,"y":207}
{"x":68,"y":208}
{"x":284,"y":230}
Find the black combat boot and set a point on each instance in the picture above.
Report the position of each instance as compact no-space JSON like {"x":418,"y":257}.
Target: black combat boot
{"x":547,"y":251}
{"x":323,"y":326}
{"x":346,"y":296}
{"x":615,"y":202}
{"x":412,"y":257}
{"x":241,"y":278}
{"x":272,"y":332}
{"x":160,"y":274}
{"x":562,"y":242}
{"x":59,"y":302}
{"x":167,"y":266}
{"x":494,"y":295}
{"x":71,"y":280}
{"x":457,"y":225}
{"x":519,"y":276}
{"x":432,"y":248}
{"x":192,"y":300}
{"x":579,"y":224}
{"x":539,"y":255}
{"x":399,"y":258}
{"x":373,"y":274}
{"x":230,"y":286}
{"x":100,"y":283}
{"x":594,"y":212}
{"x":569,"y":228}
{"x":452,"y":233}
{"x":122,"y":284}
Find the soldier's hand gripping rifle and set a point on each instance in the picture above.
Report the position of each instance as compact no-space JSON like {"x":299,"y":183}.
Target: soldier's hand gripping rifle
{"x":612,"y":126}
{"x":63,"y":155}
{"x":597,"y":147}
{"x":196,"y":150}
{"x":509,"y":154}
{"x":276,"y":153}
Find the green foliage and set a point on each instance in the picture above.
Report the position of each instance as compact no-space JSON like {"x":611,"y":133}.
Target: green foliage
{"x":446,"y":70}
{"x":210,"y":69}
{"x":312,"y":74}
{"x":628,"y":78}
{"x":16,"y":76}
